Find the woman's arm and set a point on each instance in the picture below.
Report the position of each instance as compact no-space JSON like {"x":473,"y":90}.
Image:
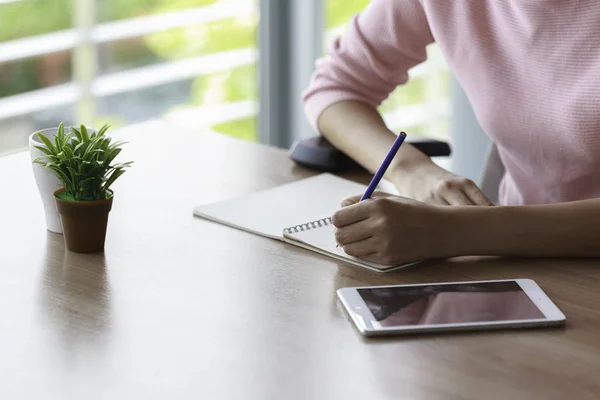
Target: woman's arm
{"x":371,"y":58}
{"x":555,"y":230}
{"x":362,"y":68}
{"x":359,"y":131}
{"x":394,"y":230}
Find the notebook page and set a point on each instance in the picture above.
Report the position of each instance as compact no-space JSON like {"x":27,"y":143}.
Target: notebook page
{"x":270,"y":211}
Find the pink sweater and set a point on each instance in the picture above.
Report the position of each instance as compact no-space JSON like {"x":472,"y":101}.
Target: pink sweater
{"x":531,"y":69}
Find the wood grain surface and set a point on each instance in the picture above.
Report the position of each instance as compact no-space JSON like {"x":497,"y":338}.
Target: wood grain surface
{"x":181,"y":308}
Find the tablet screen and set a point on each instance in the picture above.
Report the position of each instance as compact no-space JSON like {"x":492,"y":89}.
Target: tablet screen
{"x":449,"y":304}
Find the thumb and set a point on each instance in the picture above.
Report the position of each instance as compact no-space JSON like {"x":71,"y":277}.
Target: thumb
{"x":348,"y":201}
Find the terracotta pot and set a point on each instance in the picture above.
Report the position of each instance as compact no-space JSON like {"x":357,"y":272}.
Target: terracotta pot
{"x":84,"y":223}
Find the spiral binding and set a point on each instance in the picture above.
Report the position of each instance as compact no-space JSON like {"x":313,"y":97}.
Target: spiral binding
{"x":308,"y":226}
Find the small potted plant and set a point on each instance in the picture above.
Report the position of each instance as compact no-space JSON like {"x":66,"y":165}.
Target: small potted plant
{"x":83,"y":162}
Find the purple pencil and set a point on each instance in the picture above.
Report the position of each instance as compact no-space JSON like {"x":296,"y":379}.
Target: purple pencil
{"x":384,"y":166}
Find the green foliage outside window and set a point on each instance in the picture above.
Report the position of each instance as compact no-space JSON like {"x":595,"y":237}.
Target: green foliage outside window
{"x":37,"y":17}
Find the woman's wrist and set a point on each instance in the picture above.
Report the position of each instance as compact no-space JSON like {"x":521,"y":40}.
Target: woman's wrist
{"x":407,"y":171}
{"x":474,"y":230}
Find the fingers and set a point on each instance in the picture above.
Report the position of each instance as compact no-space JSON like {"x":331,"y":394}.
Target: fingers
{"x":461,"y":191}
{"x":353,"y":233}
{"x":348,"y":201}
{"x":361,"y":248}
{"x":457,"y":198}
{"x":477,"y":196}
{"x":350,"y":215}
{"x":356,"y":210}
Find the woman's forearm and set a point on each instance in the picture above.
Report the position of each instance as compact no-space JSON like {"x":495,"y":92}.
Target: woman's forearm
{"x":556,"y":230}
{"x":358,"y":130}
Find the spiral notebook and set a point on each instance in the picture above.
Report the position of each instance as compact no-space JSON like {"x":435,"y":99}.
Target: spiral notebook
{"x":318,"y":236}
{"x":297,"y":213}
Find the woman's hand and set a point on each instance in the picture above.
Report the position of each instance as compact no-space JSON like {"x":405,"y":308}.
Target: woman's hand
{"x":393,"y":230}
{"x":432,"y":184}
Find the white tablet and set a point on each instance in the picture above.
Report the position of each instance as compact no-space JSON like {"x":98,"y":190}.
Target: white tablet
{"x":403,"y":309}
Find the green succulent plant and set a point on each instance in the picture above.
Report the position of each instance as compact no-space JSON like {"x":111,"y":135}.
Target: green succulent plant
{"x":83,"y":162}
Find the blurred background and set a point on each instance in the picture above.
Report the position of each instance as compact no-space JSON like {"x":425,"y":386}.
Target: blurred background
{"x":195,"y":62}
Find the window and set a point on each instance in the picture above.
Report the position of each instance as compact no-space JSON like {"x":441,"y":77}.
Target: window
{"x":26,"y":68}
{"x":192,"y":61}
{"x":422,"y":106}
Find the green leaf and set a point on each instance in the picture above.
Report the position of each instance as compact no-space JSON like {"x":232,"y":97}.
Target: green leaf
{"x":118,"y":144}
{"x":40,"y":160}
{"x":62,"y":176}
{"x":47,"y":142}
{"x":78,"y":146}
{"x":77,"y":134}
{"x":91,"y":178}
{"x":84,"y":133}
{"x":113,"y":177}
{"x":69,"y":153}
{"x":73,"y":174}
{"x":111,"y":155}
{"x":103,"y":130}
{"x":59,"y":140}
{"x":122,"y":165}
{"x":89,"y":155}
{"x":43,"y":150}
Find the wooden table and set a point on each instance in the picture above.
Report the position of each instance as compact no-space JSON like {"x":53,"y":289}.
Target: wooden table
{"x":169,"y":310}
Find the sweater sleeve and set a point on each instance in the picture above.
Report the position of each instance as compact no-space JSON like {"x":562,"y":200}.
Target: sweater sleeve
{"x":371,"y":58}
